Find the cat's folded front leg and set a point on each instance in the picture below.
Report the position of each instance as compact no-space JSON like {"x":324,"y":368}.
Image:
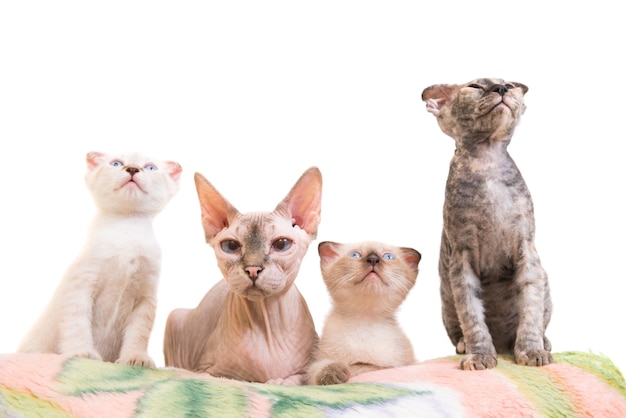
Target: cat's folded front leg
{"x":327,"y":372}
{"x":294,"y":380}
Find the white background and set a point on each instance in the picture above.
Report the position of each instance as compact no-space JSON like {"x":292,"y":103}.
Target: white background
{"x":251,"y":94}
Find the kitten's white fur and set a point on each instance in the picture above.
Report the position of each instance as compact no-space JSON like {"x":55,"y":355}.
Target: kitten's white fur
{"x":104,"y":306}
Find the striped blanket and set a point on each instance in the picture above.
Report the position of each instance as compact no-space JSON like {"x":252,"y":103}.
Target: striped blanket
{"x":576,"y":385}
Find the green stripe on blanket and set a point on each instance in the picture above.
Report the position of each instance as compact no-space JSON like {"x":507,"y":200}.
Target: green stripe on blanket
{"x":550,"y":398}
{"x":11,"y":402}
{"x":597,"y":364}
{"x":576,"y":385}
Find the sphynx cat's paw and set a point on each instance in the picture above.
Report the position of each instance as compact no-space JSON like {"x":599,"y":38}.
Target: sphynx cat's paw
{"x":478,"y":362}
{"x":333,"y":373}
{"x":295,"y":380}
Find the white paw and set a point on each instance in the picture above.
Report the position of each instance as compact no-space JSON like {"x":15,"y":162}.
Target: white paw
{"x":142,"y":360}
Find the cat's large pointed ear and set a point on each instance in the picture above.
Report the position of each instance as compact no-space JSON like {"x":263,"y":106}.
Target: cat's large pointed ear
{"x":217,"y":212}
{"x":303,"y":204}
{"x":94,"y":159}
{"x":439,"y":96}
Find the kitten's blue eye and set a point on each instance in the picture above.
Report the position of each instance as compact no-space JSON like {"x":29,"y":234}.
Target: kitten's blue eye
{"x":230,"y":246}
{"x":150,"y":167}
{"x":282,"y":244}
{"x":389,"y":256}
{"x":354,"y":254}
{"x":116,"y":163}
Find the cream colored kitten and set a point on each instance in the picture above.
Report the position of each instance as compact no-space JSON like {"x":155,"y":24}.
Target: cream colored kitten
{"x":104,"y":307}
{"x":367,"y":282}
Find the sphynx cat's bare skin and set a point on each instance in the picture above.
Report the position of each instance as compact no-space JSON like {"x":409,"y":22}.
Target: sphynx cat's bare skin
{"x":253,"y":325}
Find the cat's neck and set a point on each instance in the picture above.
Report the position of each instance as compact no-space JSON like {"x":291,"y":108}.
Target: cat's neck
{"x":482,"y":147}
{"x":485,"y":152}
{"x":111,"y":219}
{"x":365,"y":311}
{"x":269,"y":315}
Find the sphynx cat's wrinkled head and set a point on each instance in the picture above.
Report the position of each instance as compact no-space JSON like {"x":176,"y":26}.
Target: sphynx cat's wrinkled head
{"x":260,"y":253}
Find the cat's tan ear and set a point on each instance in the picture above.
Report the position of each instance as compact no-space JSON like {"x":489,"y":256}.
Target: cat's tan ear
{"x":439,"y":96}
{"x":411,"y":257}
{"x":303,"y":204}
{"x":327,"y":251}
{"x":217,"y":212}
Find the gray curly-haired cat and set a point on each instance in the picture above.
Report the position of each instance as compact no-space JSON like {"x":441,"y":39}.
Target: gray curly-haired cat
{"x":494,"y":291}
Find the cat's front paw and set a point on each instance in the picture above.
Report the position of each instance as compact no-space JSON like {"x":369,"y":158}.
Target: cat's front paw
{"x":533,"y":357}
{"x":89,"y":354}
{"x":142,"y":360}
{"x":295,"y":380}
{"x":333,"y":374}
{"x":478,"y":362}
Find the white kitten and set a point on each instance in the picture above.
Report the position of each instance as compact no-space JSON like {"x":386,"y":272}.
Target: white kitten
{"x":104,"y":307}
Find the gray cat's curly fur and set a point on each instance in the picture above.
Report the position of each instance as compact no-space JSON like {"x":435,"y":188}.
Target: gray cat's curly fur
{"x":494,"y":292}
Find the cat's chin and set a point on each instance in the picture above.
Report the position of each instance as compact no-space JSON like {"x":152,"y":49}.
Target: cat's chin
{"x":254,"y":294}
{"x":372,"y":281}
{"x":132,"y":187}
{"x":501,"y":107}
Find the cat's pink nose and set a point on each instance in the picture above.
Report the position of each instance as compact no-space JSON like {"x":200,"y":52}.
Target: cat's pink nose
{"x":132,"y":170}
{"x":253,"y":272}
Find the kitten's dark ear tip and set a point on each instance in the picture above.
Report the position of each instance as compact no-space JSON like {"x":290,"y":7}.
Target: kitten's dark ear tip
{"x":425,"y":93}
{"x":414,"y":256}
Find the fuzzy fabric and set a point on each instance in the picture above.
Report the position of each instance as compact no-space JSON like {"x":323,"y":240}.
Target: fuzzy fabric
{"x":576,"y":385}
